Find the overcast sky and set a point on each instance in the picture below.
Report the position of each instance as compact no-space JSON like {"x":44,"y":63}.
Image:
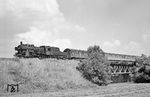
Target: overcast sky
{"x":117,"y":26}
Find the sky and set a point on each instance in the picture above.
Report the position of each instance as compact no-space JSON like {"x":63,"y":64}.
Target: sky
{"x":117,"y":26}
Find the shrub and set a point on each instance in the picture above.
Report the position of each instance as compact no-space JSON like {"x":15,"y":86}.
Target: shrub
{"x":141,"y":72}
{"x":96,"y":67}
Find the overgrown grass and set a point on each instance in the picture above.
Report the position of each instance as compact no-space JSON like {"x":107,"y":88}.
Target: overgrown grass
{"x":41,"y":75}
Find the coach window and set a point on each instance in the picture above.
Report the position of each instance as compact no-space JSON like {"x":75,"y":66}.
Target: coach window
{"x":49,"y":49}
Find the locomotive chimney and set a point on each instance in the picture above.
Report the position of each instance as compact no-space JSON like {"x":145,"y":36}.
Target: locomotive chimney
{"x":21,"y":43}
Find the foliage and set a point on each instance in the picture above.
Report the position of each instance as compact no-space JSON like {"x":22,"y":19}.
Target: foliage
{"x":143,"y":60}
{"x":96,"y":67}
{"x":41,"y":75}
{"x":141,"y":72}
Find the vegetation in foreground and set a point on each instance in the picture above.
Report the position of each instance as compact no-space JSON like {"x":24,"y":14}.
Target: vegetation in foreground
{"x":41,"y":75}
{"x":141,"y":72}
{"x":96,"y":68}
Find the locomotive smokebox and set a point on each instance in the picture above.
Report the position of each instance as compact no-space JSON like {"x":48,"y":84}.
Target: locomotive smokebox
{"x":21,"y":43}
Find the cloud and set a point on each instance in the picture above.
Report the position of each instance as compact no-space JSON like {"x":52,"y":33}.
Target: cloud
{"x":108,"y":44}
{"x":111,"y":46}
{"x":146,"y":37}
{"x":133,"y":48}
{"x":80,"y":29}
{"x":40,"y":22}
{"x":44,"y":38}
{"x":62,"y":43}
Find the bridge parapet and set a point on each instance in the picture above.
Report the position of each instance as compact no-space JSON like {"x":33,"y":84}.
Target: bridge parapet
{"x":121,"y":57}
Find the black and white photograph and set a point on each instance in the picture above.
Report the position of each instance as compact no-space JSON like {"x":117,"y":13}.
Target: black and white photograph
{"x":74,"y":48}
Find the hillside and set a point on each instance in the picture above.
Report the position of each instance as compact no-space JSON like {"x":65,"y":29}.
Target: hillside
{"x":41,"y":75}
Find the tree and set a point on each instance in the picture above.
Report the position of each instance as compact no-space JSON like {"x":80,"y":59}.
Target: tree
{"x":141,"y":72}
{"x":96,"y":67}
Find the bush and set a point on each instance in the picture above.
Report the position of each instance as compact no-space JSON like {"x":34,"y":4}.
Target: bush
{"x":96,"y":67}
{"x":141,"y":72}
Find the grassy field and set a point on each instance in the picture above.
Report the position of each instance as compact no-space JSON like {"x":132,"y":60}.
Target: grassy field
{"x":112,"y":90}
{"x":40,"y":75}
{"x":58,"y":78}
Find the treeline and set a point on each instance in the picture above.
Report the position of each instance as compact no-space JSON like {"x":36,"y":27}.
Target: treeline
{"x":141,"y":71}
{"x":96,"y":68}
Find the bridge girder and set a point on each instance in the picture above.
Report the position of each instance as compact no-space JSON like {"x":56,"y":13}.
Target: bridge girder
{"x":121,"y":67}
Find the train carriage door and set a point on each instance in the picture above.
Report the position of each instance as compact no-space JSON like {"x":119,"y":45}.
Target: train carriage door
{"x":46,"y":51}
{"x":27,"y":53}
{"x":49,"y":51}
{"x":43,"y":50}
{"x":68,"y":52}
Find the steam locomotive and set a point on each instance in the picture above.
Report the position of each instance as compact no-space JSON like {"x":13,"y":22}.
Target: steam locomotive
{"x":31,"y":51}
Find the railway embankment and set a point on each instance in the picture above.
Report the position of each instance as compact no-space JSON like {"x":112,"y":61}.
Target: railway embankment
{"x":41,"y":75}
